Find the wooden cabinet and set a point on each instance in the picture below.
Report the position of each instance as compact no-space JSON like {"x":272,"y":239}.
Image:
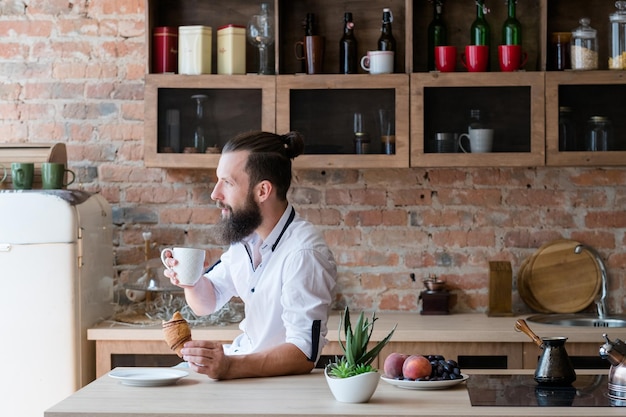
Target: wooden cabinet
{"x":514,"y":109}
{"x":587,"y":94}
{"x":322,"y":107}
{"x":234,"y":104}
{"x":522,"y":106}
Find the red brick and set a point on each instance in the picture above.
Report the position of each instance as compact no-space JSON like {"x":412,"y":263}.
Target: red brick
{"x":321,"y":216}
{"x":536,"y":198}
{"x":25,"y":28}
{"x":181,"y":215}
{"x":398,"y":302}
{"x":146,"y":194}
{"x":599,"y":177}
{"x":11,"y":50}
{"x":409,"y":197}
{"x":604,"y":219}
{"x":462,"y":238}
{"x":342,"y":237}
{"x":473,"y":197}
{"x":356,"y":197}
{"x":358,"y":256}
{"x":130,"y":151}
{"x":596,"y":239}
{"x":132,"y":111}
{"x":446,"y":177}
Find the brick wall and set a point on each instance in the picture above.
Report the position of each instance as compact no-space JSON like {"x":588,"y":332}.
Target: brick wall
{"x":72,"y":71}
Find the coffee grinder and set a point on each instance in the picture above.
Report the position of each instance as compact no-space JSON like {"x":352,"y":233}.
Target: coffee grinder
{"x":435,"y":298}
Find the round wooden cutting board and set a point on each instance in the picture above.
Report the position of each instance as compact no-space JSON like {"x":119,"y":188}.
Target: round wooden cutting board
{"x":560,"y":280}
{"x":524,"y":292}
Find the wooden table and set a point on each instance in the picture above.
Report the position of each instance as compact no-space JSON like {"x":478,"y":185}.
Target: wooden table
{"x":304,"y":395}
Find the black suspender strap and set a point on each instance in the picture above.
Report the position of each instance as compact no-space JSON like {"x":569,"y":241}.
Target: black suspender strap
{"x":315,"y":339}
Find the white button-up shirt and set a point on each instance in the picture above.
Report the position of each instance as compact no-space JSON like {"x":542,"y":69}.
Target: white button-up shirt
{"x":289,"y":290}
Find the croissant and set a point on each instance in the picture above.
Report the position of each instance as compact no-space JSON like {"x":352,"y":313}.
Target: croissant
{"x":176,"y":332}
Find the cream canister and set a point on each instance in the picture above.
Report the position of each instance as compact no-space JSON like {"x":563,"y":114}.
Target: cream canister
{"x":231,"y":50}
{"x":194,"y":49}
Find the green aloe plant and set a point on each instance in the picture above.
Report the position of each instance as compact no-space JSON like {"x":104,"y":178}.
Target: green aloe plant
{"x":356,"y":358}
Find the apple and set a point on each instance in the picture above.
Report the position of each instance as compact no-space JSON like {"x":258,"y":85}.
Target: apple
{"x":416,"y":366}
{"x":393,"y":364}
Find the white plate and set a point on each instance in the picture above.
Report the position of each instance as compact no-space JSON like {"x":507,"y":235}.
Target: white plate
{"x":424,"y":385}
{"x":148,"y":377}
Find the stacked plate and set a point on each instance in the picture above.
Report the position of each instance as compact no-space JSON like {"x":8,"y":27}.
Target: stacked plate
{"x":555,"y":279}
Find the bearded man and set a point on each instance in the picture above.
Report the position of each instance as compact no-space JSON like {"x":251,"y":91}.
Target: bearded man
{"x":277,"y":263}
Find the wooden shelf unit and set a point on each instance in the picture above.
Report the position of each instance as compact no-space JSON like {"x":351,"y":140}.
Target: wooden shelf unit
{"x":537,"y":83}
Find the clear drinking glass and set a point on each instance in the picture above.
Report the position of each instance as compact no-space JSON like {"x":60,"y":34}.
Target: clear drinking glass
{"x":261,"y":35}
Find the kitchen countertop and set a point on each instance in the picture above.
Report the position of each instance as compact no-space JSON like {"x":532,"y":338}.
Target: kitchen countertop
{"x":412,"y":327}
{"x":302,"y":395}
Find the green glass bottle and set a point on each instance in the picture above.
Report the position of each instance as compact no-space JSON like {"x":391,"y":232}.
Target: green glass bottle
{"x":512,"y":29}
{"x":480,"y":32}
{"x":437,"y":33}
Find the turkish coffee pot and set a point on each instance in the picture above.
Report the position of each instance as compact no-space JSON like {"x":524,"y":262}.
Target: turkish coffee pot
{"x":615,"y":353}
{"x":554,"y":367}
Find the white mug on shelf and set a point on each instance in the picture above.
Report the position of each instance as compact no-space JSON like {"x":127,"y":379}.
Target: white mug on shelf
{"x":378,"y":62}
{"x":480,"y":140}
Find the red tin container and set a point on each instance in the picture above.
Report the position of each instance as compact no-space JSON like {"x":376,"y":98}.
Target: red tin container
{"x":165,"y":49}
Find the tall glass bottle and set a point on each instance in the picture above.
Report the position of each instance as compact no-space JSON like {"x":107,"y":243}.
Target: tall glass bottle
{"x":386,"y":41}
{"x":309,"y":30}
{"x":511,"y":29}
{"x":437,"y":33}
{"x":348,"y":47}
{"x":480,"y":32}
{"x":199,"y":133}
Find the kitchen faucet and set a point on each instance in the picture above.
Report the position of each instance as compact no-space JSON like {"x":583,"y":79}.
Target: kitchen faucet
{"x":601,"y":300}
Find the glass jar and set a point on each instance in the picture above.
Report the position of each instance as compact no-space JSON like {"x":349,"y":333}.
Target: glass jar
{"x":599,"y":136}
{"x":617,"y":42}
{"x":567,"y":131}
{"x":560,"y":51}
{"x":584,"y":48}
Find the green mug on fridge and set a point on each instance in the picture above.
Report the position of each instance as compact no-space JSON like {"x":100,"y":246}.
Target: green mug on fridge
{"x":22,"y":174}
{"x":4,"y":175}
{"x":53,"y":176}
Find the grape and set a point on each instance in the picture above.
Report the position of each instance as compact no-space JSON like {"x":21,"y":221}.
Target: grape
{"x":443,"y":369}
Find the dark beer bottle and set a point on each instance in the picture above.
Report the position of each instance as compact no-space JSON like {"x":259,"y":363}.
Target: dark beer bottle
{"x":348,"y":47}
{"x":387,"y":42}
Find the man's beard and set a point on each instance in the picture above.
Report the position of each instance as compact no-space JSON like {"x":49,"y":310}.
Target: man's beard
{"x":240,"y":224}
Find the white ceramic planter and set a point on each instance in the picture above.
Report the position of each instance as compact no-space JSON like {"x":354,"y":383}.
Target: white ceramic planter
{"x":355,"y":389}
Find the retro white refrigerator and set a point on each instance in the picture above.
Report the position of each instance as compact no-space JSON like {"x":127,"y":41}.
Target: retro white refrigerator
{"x":56,"y":264}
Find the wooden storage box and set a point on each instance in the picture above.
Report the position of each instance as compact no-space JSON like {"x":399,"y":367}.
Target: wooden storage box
{"x":30,"y":152}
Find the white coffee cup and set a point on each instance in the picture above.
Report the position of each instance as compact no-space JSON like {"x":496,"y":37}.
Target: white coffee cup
{"x":480,"y":140}
{"x":378,"y":62}
{"x":190,"y":264}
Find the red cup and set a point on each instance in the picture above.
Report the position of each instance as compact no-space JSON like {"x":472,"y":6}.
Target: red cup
{"x":511,"y":57}
{"x":475,"y":58}
{"x":445,"y":58}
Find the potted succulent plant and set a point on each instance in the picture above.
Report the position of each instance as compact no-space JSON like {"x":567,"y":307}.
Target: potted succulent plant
{"x":351,"y":378}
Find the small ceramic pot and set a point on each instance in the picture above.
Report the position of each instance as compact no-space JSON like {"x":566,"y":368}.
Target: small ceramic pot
{"x":354,"y":389}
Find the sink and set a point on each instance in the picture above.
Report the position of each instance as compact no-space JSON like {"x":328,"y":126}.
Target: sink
{"x":583,"y":320}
